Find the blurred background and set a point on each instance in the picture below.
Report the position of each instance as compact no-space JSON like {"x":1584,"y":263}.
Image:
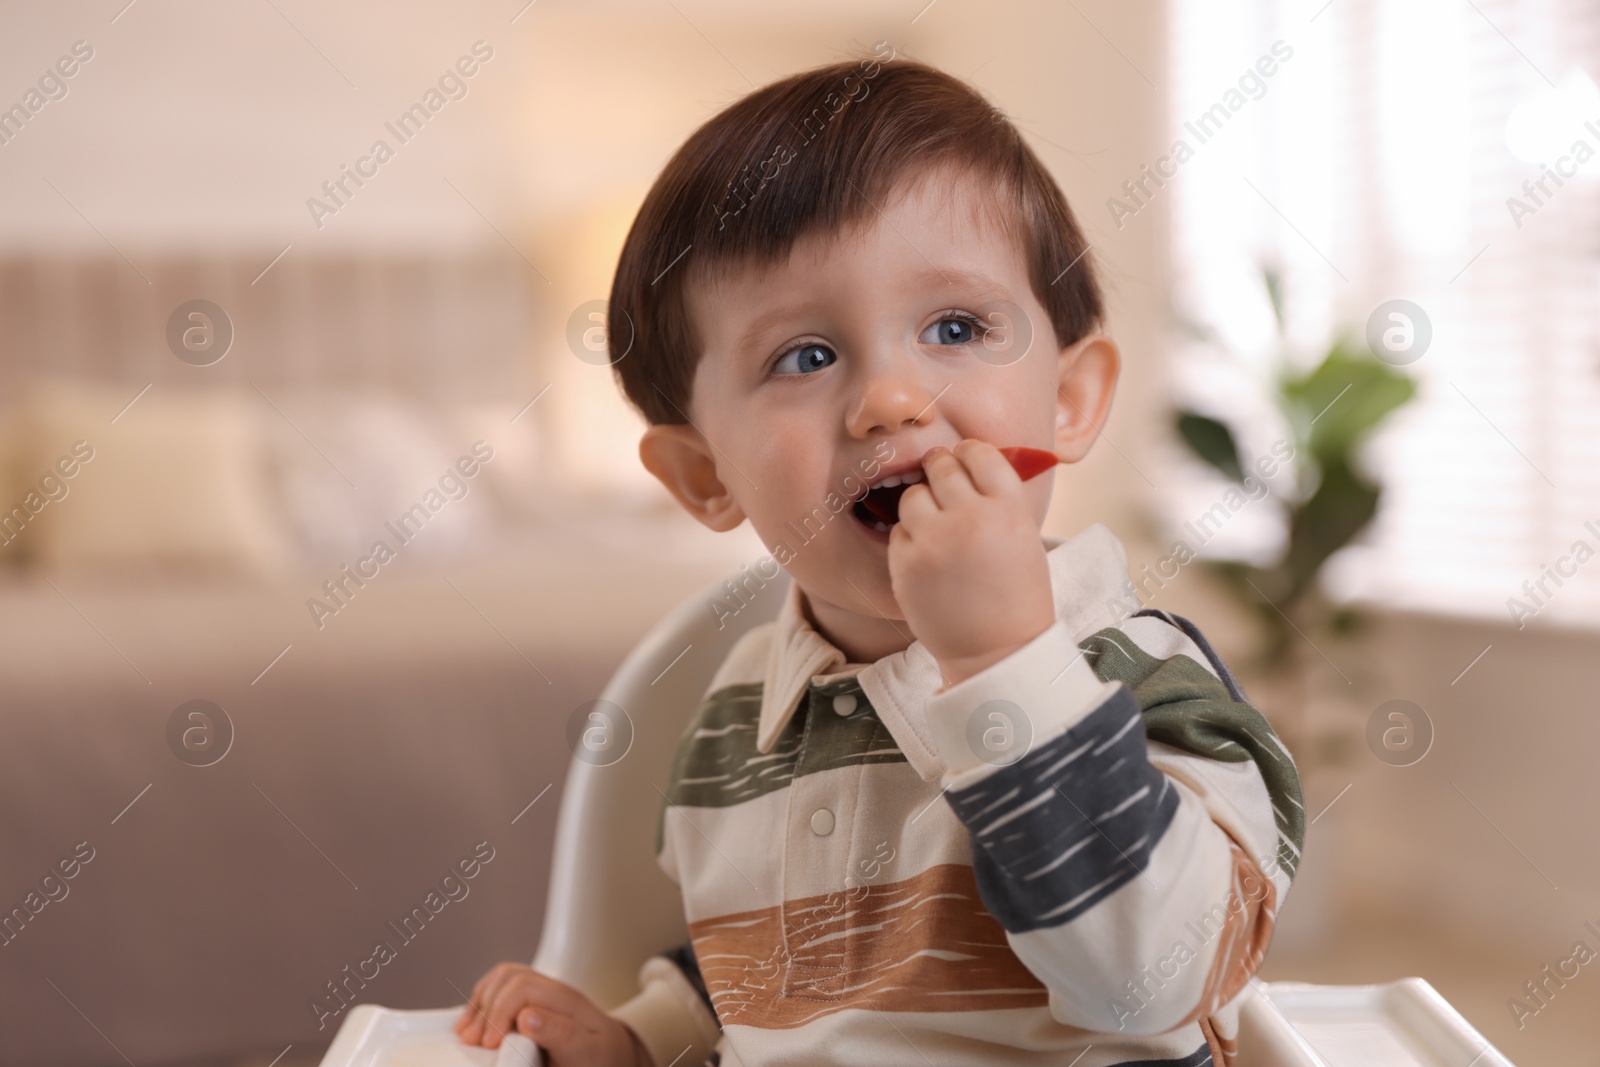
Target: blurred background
{"x":239,"y":344}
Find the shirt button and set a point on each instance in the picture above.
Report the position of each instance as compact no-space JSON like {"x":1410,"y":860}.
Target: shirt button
{"x":822,"y":822}
{"x":845,"y":703}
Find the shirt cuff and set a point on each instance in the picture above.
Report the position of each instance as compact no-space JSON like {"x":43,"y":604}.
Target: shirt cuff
{"x":669,"y":1016}
{"x":1040,"y":690}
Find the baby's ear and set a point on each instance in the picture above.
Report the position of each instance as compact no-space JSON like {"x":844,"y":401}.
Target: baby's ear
{"x":1086,"y":380}
{"x":682,"y":460}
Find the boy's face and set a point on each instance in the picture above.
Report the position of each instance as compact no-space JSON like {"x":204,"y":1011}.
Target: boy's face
{"x":827,"y":373}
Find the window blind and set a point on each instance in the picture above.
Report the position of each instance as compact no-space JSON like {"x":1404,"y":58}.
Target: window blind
{"x":1387,"y":158}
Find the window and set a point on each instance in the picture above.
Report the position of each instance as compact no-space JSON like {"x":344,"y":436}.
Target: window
{"x":1446,"y":152}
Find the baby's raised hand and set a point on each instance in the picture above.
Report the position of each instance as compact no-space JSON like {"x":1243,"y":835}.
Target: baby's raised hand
{"x":567,"y":1025}
{"x":966,"y":562}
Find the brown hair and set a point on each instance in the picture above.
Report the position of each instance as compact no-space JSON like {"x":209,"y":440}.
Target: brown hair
{"x":815,"y":151}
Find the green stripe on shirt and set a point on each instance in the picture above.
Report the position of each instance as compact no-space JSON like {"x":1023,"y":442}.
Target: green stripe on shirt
{"x":1188,"y":707}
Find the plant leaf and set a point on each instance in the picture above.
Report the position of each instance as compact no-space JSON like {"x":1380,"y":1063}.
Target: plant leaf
{"x":1341,"y":400}
{"x":1212,"y":441}
{"x":1272,"y":278}
{"x":1340,"y":508}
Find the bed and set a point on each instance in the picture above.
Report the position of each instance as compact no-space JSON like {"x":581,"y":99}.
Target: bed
{"x":233,"y":871}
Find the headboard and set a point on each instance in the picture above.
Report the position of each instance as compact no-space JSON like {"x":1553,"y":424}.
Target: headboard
{"x":446,"y":326}
{"x":374,"y":373}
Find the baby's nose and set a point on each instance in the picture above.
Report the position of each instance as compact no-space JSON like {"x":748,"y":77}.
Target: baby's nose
{"x":890,"y":401}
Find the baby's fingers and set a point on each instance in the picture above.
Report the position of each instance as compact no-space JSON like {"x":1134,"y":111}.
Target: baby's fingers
{"x":470,"y":1024}
{"x":552,"y":1031}
{"x":540,"y":994}
{"x":499,"y":1017}
{"x":947,"y":477}
{"x":473,"y":1026}
{"x":991,"y":472}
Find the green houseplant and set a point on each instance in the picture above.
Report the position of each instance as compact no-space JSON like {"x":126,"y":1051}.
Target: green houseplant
{"x":1330,"y":410}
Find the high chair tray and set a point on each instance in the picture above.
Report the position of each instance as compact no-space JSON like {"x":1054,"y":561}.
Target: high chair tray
{"x":1405,"y":1023}
{"x":371,"y":1036}
{"x":1281,"y":1024}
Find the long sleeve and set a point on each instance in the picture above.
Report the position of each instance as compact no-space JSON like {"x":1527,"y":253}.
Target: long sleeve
{"x":1134,"y":822}
{"x":672,"y":1012}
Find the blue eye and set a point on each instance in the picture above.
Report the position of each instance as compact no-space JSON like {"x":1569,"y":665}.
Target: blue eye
{"x":804,"y":360}
{"x":956,"y":328}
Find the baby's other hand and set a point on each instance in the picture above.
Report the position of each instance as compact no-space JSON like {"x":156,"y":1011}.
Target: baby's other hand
{"x":568,"y":1026}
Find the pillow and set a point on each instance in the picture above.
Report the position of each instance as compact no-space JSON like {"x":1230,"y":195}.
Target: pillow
{"x":376,"y":457}
{"x":520,"y":480}
{"x":175,"y":482}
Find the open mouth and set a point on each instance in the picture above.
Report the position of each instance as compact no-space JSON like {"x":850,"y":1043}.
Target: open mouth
{"x":879,"y":508}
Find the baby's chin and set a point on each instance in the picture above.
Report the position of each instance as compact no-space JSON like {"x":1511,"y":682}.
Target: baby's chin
{"x":845,"y":565}
{"x":861,"y":587}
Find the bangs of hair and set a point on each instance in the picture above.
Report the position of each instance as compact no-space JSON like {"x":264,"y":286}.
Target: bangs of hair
{"x":824,"y":151}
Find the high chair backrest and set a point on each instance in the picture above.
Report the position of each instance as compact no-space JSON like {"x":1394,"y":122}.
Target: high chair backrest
{"x":610,"y":906}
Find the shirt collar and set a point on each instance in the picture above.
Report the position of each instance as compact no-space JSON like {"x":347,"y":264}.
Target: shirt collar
{"x":1090,"y":585}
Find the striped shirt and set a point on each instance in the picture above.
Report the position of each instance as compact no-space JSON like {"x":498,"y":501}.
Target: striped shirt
{"x":1074,"y":856}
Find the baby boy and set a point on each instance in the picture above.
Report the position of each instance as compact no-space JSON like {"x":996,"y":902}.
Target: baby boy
{"x":964,"y":801}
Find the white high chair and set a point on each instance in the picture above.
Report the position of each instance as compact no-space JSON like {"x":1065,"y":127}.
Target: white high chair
{"x":610,"y":907}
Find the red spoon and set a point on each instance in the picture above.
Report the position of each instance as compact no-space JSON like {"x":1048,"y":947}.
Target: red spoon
{"x":1027,"y":462}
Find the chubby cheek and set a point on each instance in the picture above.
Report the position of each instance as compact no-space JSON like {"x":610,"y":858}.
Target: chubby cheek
{"x":779,"y":478}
